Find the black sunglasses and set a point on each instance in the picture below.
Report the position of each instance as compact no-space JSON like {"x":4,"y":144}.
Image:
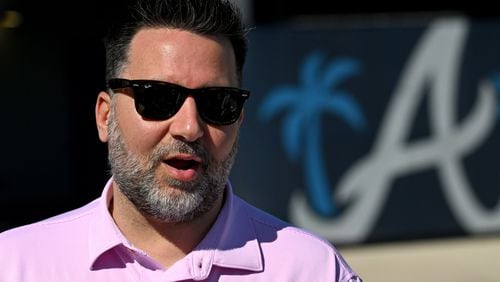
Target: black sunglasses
{"x":159,"y":100}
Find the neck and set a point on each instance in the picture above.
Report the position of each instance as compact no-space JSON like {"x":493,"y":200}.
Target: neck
{"x":165,"y":242}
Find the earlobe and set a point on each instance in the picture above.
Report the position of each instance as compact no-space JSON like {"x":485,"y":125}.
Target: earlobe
{"x":102,"y":112}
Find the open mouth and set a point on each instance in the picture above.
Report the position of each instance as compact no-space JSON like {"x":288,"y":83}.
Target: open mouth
{"x":183,"y":164}
{"x":183,"y":167}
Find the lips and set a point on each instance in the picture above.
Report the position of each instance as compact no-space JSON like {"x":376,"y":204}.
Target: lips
{"x":182,"y":164}
{"x":183,"y":167}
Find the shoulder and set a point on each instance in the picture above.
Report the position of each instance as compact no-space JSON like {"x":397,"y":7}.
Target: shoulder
{"x":34,"y":252}
{"x":284,"y":232}
{"x":296,"y":250}
{"x":48,"y":230}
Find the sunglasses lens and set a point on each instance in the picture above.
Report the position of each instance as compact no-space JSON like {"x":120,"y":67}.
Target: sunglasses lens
{"x":220,"y":106}
{"x":157,"y":101}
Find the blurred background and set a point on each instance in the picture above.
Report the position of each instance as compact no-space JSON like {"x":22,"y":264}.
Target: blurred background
{"x":375,"y":127}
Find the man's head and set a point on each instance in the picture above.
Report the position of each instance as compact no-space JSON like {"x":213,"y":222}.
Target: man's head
{"x":172,"y":162}
{"x":209,"y":18}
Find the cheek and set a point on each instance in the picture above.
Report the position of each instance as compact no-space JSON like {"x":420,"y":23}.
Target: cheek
{"x":222,"y":141}
{"x":140,"y":136}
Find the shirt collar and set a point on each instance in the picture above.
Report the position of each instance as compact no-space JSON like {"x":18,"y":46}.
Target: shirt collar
{"x":231,"y":242}
{"x":103,"y":232}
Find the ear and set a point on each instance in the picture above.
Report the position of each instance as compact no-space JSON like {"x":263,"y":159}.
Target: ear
{"x":102,"y":111}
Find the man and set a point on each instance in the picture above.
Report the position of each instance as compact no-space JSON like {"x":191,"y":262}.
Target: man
{"x":171,"y":118}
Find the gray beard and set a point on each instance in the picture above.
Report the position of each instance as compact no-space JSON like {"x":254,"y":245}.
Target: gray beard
{"x":182,"y":201}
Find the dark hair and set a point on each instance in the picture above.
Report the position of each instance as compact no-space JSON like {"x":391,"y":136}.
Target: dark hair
{"x":204,"y":17}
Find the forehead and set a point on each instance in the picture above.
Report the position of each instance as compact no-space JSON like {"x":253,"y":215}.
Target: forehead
{"x":181,"y":57}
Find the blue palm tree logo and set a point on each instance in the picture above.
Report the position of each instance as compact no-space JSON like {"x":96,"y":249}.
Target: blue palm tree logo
{"x":317,"y":93}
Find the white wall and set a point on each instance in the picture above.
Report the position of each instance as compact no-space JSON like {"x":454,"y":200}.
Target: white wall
{"x":455,"y":260}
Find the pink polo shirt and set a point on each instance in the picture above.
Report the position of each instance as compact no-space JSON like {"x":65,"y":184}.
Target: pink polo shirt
{"x":244,"y":244}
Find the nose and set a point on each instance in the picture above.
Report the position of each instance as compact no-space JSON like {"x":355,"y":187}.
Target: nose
{"x":186,"y":124}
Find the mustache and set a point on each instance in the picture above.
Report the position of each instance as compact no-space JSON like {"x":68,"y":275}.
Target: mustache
{"x":181,"y":147}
